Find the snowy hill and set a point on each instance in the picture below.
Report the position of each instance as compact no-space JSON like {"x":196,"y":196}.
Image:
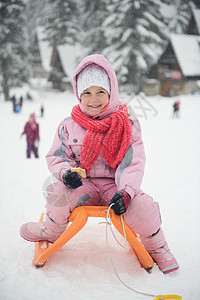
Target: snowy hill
{"x":82,"y":269}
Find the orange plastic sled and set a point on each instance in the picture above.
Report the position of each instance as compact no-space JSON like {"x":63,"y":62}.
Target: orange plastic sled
{"x":78,"y":218}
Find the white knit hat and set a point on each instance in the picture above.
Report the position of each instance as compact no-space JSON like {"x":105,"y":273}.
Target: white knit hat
{"x":92,"y":75}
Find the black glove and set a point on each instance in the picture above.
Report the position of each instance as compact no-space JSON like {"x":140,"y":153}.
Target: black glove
{"x":121,"y":201}
{"x":72,"y":179}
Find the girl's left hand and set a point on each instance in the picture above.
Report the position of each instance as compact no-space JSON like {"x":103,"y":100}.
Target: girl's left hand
{"x":120,"y":202}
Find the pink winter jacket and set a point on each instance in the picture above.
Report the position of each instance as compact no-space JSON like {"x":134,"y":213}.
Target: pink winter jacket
{"x":66,"y":149}
{"x":32,"y":132}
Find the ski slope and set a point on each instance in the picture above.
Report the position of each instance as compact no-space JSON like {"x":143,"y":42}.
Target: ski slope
{"x":82,"y":269}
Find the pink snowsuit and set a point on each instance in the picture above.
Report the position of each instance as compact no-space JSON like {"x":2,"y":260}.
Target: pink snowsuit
{"x":102,"y":182}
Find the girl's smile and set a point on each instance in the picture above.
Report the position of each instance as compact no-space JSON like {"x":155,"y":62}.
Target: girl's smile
{"x":94,"y":99}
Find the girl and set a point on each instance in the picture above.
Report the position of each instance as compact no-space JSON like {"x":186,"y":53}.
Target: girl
{"x":101,"y":138}
{"x":31,"y":130}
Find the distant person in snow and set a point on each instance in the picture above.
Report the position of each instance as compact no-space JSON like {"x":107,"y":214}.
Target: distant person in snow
{"x":102,"y":138}
{"x":31,"y":130}
{"x":176,"y":108}
{"x":21,"y":100}
{"x":42,"y":111}
{"x":14,"y":103}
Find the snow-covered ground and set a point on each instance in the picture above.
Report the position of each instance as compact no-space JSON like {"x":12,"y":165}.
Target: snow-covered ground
{"x":82,"y":269}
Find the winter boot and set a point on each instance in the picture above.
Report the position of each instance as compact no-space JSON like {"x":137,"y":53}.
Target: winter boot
{"x":157,"y":247}
{"x":42,"y":231}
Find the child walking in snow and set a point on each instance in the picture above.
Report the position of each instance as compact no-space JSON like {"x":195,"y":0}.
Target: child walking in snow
{"x":103,"y":139}
{"x":31,"y":130}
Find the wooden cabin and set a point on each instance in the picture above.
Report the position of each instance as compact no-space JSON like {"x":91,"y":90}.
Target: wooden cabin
{"x":41,"y":53}
{"x":178,"y":68}
{"x":63,"y":63}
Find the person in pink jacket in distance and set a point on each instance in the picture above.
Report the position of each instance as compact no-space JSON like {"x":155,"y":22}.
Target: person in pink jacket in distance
{"x":31,"y":130}
{"x":101,"y":137}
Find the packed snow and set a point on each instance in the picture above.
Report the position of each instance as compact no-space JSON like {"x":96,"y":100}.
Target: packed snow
{"x":82,"y":269}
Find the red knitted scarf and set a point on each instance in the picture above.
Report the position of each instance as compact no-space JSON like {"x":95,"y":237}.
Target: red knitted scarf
{"x":115,"y":143}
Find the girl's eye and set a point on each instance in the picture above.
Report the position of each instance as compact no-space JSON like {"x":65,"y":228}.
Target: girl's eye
{"x":86,"y":93}
{"x":101,"y":92}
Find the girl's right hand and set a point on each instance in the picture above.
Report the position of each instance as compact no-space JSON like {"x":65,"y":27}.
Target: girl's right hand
{"x":72,"y":179}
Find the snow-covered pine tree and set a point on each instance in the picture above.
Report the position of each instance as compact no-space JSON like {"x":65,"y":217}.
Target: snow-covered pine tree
{"x":36,"y":14}
{"x":136,"y":35}
{"x":13,"y":40}
{"x":92,"y":15}
{"x":61,"y":23}
{"x":181,"y":13}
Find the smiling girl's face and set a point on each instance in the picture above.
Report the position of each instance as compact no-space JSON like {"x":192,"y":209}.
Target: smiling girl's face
{"x":94,"y":99}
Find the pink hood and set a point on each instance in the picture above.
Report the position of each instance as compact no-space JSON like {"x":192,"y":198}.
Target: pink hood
{"x":104,"y":63}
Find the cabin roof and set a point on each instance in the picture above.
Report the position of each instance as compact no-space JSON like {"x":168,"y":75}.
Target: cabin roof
{"x":187,"y":51}
{"x":68,"y":55}
{"x":44,"y":48}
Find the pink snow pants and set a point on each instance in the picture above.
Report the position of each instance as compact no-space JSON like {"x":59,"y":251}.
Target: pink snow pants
{"x":142,"y":215}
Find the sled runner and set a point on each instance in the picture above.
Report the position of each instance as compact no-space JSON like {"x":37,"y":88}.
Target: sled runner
{"x":78,"y":218}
